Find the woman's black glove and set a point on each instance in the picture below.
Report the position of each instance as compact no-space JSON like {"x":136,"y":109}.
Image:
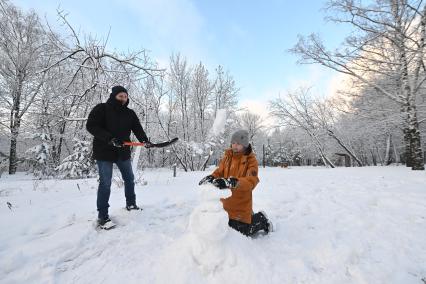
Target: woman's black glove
{"x":206,"y":179}
{"x":223,"y":183}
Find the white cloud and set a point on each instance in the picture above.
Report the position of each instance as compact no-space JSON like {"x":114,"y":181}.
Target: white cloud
{"x":47,"y":10}
{"x":338,"y":82}
{"x":314,"y":76}
{"x":323,"y":83}
{"x":163,"y":62}
{"x":259,"y":107}
{"x":171,"y":26}
{"x":260,"y":104}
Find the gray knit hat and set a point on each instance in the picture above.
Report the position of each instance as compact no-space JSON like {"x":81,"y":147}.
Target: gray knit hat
{"x":241,"y":137}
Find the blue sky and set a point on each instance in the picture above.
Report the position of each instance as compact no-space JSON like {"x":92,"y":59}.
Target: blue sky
{"x":249,"y":38}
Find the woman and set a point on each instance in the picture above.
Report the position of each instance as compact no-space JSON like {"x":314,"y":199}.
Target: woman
{"x":238,"y":171}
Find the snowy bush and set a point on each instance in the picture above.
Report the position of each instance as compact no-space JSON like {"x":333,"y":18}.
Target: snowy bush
{"x":39,"y":157}
{"x":80,"y":163}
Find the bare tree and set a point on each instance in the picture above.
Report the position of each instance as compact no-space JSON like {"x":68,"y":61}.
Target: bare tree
{"x":180,"y":86}
{"x":369,"y":121}
{"x":296,"y":109}
{"x":23,"y":55}
{"x":202,"y":96}
{"x":224,"y":91}
{"x":43,"y":73}
{"x":388,"y":42}
{"x":325,"y":114}
{"x":253,"y":123}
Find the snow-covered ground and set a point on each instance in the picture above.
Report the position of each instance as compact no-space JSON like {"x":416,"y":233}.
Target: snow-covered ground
{"x":344,"y":225}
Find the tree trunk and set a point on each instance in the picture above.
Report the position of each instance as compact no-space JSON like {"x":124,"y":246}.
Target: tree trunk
{"x":320,"y":150}
{"x":379,"y":156}
{"x":203,"y":167}
{"x":373,"y":158}
{"x":412,"y":137}
{"x":407,"y":147}
{"x":58,"y":151}
{"x":417,"y":162}
{"x":13,"y":159}
{"x":324,"y":158}
{"x":331,"y":134}
{"x":396,"y":154}
{"x":388,"y":155}
{"x":15,"y":123}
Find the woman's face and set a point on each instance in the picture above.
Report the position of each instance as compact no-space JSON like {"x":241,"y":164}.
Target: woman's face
{"x":237,"y":148}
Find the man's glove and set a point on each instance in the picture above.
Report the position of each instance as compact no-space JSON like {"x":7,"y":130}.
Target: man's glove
{"x":147,"y":144}
{"x":223,"y":183}
{"x":206,"y":179}
{"x":116,"y":142}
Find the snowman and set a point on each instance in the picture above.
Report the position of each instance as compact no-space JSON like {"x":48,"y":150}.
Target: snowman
{"x":209,"y":231}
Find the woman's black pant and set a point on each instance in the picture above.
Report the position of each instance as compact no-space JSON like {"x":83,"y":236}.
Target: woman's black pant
{"x":258,"y":222}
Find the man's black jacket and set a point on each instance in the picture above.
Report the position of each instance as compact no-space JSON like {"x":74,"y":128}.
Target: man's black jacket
{"x":113,"y":120}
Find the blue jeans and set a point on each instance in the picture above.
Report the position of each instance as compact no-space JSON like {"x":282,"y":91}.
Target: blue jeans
{"x":104,"y":189}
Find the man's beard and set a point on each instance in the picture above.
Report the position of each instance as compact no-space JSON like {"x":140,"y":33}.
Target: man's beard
{"x":122,"y":102}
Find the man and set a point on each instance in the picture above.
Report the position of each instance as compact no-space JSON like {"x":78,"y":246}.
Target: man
{"x":111,"y":123}
{"x":238,"y":171}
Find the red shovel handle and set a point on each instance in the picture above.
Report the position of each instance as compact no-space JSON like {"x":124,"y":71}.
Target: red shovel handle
{"x":133,"y":143}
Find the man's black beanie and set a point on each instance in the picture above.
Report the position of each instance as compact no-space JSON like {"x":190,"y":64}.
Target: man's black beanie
{"x":117,"y":89}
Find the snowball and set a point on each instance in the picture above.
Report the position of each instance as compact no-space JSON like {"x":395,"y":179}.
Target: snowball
{"x":219,"y":123}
